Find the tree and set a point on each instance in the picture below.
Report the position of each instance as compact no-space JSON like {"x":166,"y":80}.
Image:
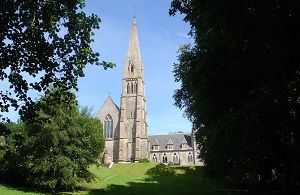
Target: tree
{"x":43,"y":43}
{"x":12,"y":158}
{"x":240,"y":86}
{"x":62,"y":141}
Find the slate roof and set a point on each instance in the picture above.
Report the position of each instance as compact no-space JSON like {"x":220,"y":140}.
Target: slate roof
{"x":176,"y":139}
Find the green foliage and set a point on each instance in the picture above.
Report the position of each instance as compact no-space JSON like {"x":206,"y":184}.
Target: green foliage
{"x":43,"y":43}
{"x":240,"y":86}
{"x":12,"y":161}
{"x":144,"y":160}
{"x":54,"y":146}
{"x":62,"y":141}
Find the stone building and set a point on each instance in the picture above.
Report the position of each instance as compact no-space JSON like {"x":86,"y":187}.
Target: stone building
{"x":178,"y":148}
{"x":125,"y":127}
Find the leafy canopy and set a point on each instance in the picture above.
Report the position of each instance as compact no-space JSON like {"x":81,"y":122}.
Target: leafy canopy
{"x":43,"y":43}
{"x":62,"y":141}
{"x":54,"y":146}
{"x":240,"y":86}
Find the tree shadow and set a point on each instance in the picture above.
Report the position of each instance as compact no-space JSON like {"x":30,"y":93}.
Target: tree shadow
{"x":160,"y":185}
{"x":163,"y":179}
{"x":24,"y":189}
{"x":161,"y":170}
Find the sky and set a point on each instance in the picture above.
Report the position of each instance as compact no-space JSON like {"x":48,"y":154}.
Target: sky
{"x":160,"y":36}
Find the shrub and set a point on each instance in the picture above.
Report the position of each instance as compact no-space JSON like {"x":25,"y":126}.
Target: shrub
{"x":144,"y":160}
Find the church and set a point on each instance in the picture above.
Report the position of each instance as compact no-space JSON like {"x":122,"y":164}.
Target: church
{"x":125,"y":127}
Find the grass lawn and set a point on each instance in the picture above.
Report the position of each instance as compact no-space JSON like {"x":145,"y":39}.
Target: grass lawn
{"x":143,"y":178}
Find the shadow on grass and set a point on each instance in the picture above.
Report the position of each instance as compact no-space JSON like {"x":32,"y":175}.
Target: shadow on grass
{"x":21,"y":188}
{"x":161,"y":170}
{"x":163,"y":179}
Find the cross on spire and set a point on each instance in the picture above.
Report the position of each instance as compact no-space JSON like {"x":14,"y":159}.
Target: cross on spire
{"x":133,"y":8}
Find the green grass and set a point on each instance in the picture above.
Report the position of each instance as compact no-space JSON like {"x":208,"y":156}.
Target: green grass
{"x":143,"y":178}
{"x":7,"y":190}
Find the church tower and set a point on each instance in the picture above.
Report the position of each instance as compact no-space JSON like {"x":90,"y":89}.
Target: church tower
{"x":125,"y":127}
{"x":133,"y":125}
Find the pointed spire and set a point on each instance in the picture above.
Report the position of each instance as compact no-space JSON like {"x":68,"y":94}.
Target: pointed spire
{"x":133,"y":53}
{"x":133,"y":46}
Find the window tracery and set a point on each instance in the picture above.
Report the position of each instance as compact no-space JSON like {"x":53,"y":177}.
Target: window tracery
{"x":108,"y":126}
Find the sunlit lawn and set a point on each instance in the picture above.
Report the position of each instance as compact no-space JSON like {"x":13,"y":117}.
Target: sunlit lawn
{"x":135,"y":178}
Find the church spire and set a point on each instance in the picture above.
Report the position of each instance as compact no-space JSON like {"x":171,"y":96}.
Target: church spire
{"x":133,"y":63}
{"x":133,"y":116}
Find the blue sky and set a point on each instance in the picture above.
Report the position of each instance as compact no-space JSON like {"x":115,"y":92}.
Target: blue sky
{"x":159,"y":36}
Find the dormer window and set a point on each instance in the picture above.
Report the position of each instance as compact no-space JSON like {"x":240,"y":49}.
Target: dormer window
{"x":170,"y":147}
{"x":184,"y":146}
{"x":155,"y":147}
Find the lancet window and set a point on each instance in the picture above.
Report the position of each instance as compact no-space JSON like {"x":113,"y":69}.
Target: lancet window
{"x":108,"y":126}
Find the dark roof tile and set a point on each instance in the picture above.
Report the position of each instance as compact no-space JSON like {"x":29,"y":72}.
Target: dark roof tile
{"x":176,"y":139}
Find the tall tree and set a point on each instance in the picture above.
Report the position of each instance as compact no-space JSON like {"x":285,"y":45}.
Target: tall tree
{"x":54,"y":145}
{"x":62,"y":141}
{"x":43,"y":43}
{"x":240,"y":86}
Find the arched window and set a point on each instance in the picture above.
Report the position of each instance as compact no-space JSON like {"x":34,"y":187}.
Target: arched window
{"x":154,"y":158}
{"x":175,"y":158}
{"x":165,"y":159}
{"x":132,"y":68}
{"x":136,"y":87}
{"x":108,"y":126}
{"x":132,"y":88}
{"x":128,"y":88}
{"x":190,"y":157}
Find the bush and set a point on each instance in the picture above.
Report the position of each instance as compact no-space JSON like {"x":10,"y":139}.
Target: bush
{"x":144,"y":160}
